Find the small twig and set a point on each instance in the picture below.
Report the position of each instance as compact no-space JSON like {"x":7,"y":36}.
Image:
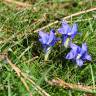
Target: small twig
{"x":30,"y":60}
{"x":82,"y":20}
{"x":60,"y":83}
{"x":67,"y":17}
{"x":26,"y":85}
{"x":17,"y":3}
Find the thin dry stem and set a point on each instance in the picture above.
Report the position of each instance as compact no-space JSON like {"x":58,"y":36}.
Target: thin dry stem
{"x":25,"y":84}
{"x":67,"y":17}
{"x":18,"y":3}
{"x":30,"y":60}
{"x":62,"y":83}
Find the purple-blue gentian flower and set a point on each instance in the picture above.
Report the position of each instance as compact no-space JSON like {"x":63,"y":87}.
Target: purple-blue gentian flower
{"x":68,"y":33}
{"x":48,"y":40}
{"x":79,"y":54}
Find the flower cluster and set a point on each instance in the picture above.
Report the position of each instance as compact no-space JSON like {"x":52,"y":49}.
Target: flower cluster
{"x":77,"y":53}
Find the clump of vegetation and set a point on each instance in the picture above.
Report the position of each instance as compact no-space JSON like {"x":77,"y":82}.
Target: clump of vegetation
{"x":24,"y":72}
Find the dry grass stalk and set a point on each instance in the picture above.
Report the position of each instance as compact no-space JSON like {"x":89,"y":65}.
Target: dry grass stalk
{"x":67,"y":17}
{"x":62,"y":83}
{"x":17,"y":3}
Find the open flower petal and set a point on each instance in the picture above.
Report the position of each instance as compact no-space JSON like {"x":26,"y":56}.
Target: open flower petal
{"x":83,"y":49}
{"x":44,"y":37}
{"x":51,"y":36}
{"x":74,"y":46}
{"x":84,"y":46}
{"x":74,"y":30}
{"x":70,"y":55}
{"x":66,"y":27}
{"x":61,"y":30}
{"x":87,"y":57}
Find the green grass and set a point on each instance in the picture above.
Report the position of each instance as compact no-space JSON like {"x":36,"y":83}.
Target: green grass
{"x":22,"y":47}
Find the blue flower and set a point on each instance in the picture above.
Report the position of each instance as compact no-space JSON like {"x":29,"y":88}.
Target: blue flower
{"x":48,"y":39}
{"x":68,"y":33}
{"x":79,"y":54}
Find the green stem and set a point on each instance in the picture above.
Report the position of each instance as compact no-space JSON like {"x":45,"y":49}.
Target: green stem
{"x":66,"y":44}
{"x":47,"y":53}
